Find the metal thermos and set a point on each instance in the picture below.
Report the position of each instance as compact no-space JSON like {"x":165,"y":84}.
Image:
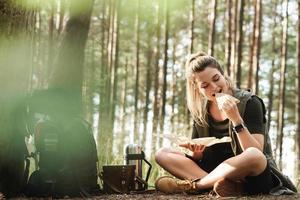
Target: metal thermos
{"x":135,"y":156}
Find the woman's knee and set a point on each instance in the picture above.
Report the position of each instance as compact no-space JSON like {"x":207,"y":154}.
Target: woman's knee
{"x":161,"y":154}
{"x":256,"y":160}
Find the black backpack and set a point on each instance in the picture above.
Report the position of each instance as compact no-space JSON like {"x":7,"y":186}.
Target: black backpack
{"x":67,"y":159}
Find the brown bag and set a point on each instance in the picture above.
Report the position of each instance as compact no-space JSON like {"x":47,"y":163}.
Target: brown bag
{"x":118,"y":178}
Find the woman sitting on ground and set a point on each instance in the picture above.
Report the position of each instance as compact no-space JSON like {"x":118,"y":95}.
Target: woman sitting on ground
{"x":243,"y":166}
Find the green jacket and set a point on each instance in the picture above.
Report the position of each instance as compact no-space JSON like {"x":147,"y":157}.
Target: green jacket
{"x":283,"y":184}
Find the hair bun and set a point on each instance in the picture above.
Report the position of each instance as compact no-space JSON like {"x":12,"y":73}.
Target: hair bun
{"x":201,"y":53}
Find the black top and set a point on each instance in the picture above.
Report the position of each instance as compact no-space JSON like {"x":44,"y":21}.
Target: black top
{"x":215,"y":154}
{"x":253,"y":118}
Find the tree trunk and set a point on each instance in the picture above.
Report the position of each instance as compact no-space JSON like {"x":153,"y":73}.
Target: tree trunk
{"x":137,"y":71}
{"x":116,"y":65}
{"x":228,"y":36}
{"x":62,"y":7}
{"x":124,"y":95}
{"x":192,"y":21}
{"x":68,"y":71}
{"x":192,"y":36}
{"x":14,"y":74}
{"x":280,"y":121}
{"x":148,"y":86}
{"x":297,"y":89}
{"x":233,"y":41}
{"x":50,"y":42}
{"x":271,"y":77}
{"x":156,"y":75}
{"x":253,"y":78}
{"x":211,"y":39}
{"x":165,"y":67}
{"x":240,"y":44}
{"x":103,"y":88}
{"x":174,"y":85}
{"x":257,"y":45}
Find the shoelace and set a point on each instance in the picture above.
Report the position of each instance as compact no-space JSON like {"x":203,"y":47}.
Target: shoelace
{"x":188,"y":184}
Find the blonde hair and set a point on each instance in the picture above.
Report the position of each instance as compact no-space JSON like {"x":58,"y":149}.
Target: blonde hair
{"x":196,"y":102}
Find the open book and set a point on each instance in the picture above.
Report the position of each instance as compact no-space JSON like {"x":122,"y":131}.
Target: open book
{"x":207,"y":141}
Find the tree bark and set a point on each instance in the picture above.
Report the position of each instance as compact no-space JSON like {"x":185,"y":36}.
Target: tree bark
{"x":68,"y":71}
{"x":228,"y":36}
{"x":148,"y":86}
{"x":116,"y":64}
{"x":253,"y":78}
{"x":156,"y":74}
{"x":271,"y":77}
{"x":257,"y":45}
{"x":297,"y":88}
{"x":240,"y":44}
{"x":192,"y":36}
{"x":137,"y":74}
{"x":165,"y":67}
{"x":281,"y":106}
{"x":124,"y":95}
{"x":233,"y":41}
{"x":211,"y":39}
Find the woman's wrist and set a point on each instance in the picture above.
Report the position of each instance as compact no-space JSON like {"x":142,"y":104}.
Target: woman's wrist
{"x":237,"y":121}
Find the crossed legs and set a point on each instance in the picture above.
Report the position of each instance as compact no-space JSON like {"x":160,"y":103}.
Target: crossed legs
{"x":251,"y":162}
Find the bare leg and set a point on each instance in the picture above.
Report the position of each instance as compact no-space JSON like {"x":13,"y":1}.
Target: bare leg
{"x":178,"y":164}
{"x":251,"y":162}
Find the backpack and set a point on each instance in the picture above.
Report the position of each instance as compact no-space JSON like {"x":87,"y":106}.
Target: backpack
{"x":67,"y":159}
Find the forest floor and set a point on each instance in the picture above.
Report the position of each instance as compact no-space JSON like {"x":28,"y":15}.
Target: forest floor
{"x":158,"y":196}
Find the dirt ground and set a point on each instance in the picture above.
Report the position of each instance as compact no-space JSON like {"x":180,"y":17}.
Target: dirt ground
{"x":160,"y":196}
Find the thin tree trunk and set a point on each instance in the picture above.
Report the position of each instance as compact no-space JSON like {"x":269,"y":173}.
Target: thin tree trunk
{"x":240,"y":44}
{"x":137,"y":71}
{"x":282,"y":85}
{"x":156,"y":75}
{"x":124,"y":95}
{"x":211,"y":39}
{"x":297,"y":89}
{"x":50,"y":42}
{"x":103,"y":115}
{"x":252,"y":43}
{"x":257,"y":45}
{"x":271,"y":77}
{"x":192,"y":21}
{"x":148,"y":86}
{"x":192,"y":35}
{"x":116,"y":64}
{"x":253,"y":78}
{"x":228,"y":36}
{"x":174,"y":83}
{"x":62,"y":7}
{"x":165,"y":67}
{"x":233,"y":41}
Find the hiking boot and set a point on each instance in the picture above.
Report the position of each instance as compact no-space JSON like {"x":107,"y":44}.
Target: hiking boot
{"x":228,"y":188}
{"x":170,"y":185}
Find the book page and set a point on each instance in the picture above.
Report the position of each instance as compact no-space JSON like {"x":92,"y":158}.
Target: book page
{"x":207,"y":141}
